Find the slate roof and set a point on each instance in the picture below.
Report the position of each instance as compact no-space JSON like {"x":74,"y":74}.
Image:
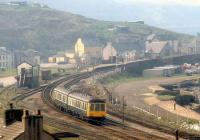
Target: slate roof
{"x":33,"y":64}
{"x":11,"y":131}
{"x":156,"y":46}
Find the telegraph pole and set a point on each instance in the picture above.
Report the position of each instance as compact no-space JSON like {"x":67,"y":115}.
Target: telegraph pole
{"x":123,"y":109}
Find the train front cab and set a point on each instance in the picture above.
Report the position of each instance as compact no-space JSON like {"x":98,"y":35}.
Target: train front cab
{"x":96,"y":110}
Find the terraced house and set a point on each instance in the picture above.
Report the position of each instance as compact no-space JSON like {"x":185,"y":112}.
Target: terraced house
{"x":6,"y":58}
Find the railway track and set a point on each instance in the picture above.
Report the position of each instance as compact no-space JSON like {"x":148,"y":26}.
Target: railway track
{"x":105,"y":129}
{"x":107,"y":126}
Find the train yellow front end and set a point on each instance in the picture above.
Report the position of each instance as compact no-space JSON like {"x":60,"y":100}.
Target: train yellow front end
{"x":96,"y":110}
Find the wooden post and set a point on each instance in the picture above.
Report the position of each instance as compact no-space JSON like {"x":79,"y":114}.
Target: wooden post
{"x":174,"y":105}
{"x":123,"y":110}
{"x":177,"y":134}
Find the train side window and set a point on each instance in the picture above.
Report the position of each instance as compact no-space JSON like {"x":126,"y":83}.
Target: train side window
{"x":59,"y":96}
{"x":69,"y":101}
{"x":97,"y":107}
{"x":92,"y":107}
{"x":102,"y":107}
{"x":63,"y":98}
{"x":83,"y":105}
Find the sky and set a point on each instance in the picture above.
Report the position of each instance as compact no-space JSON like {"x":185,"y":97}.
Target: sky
{"x":176,"y":15}
{"x":163,"y":2}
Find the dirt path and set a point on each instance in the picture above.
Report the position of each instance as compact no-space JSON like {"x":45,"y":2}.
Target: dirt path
{"x":137,"y":93}
{"x":134,"y":91}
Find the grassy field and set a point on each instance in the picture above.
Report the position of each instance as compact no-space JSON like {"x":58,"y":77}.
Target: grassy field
{"x":117,"y":79}
{"x":8,"y":72}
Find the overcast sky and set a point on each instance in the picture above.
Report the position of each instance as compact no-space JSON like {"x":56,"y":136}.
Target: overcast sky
{"x":163,"y":2}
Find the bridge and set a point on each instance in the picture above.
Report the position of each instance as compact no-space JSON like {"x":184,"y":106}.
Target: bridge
{"x":137,"y":67}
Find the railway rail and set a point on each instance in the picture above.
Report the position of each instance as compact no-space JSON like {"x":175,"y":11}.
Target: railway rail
{"x":109,"y":126}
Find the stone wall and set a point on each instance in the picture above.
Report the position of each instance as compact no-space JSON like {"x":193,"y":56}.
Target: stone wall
{"x":136,"y":68}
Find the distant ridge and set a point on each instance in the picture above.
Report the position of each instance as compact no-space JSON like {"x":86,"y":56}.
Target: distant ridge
{"x":48,"y":31}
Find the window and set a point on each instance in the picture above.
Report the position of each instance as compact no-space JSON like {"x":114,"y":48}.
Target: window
{"x":59,"y":96}
{"x":102,"y":107}
{"x":97,"y":107}
{"x":64,"y":98}
{"x":92,"y":107}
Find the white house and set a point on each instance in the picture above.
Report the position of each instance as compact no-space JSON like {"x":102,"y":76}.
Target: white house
{"x":6,"y":58}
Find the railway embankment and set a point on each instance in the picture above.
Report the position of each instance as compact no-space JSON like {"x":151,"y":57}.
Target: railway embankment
{"x":143,"y":106}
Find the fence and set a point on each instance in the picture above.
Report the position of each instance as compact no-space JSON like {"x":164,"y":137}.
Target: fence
{"x":156,"y":113}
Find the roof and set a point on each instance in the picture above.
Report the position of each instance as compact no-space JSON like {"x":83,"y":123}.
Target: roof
{"x":93,"y":49}
{"x":78,"y":95}
{"x":59,"y":55}
{"x":11,"y":131}
{"x":33,"y":64}
{"x":151,"y":37}
{"x":156,"y":46}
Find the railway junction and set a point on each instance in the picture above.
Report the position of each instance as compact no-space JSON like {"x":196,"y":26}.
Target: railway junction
{"x":56,"y":120}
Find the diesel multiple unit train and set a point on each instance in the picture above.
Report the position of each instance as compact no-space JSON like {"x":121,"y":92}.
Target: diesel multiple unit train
{"x":82,"y":105}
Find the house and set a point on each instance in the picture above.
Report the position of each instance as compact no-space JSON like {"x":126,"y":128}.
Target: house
{"x":51,"y":59}
{"x":60,"y":59}
{"x":93,"y":55}
{"x":6,"y":58}
{"x":187,"y":48}
{"x":109,"y":53}
{"x":130,"y":55}
{"x":70,"y":55}
{"x":28,"y":74}
{"x":79,"y":48}
{"x":157,"y":49}
{"x":22,"y":125}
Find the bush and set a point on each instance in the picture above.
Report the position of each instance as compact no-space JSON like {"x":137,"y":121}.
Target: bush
{"x":185,"y":99}
{"x":166,"y":97}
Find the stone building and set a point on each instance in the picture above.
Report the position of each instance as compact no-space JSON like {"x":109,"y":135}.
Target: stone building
{"x":60,"y":59}
{"x":157,"y":49}
{"x":33,"y":128}
{"x":6,"y":58}
{"x":130,"y":55}
{"x":21,"y":125}
{"x":93,"y":55}
{"x":109,"y":53}
{"x":28,"y":74}
{"x":79,"y":48}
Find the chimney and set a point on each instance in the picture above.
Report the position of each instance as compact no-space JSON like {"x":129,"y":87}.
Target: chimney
{"x":33,"y":126}
{"x":39,"y":112}
{"x":25,"y":119}
{"x":11,"y":106}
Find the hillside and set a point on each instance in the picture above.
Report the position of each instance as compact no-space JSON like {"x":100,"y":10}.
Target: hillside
{"x":47,"y":30}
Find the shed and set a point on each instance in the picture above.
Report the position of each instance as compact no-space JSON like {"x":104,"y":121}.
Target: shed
{"x":161,"y":71}
{"x":28,"y":74}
